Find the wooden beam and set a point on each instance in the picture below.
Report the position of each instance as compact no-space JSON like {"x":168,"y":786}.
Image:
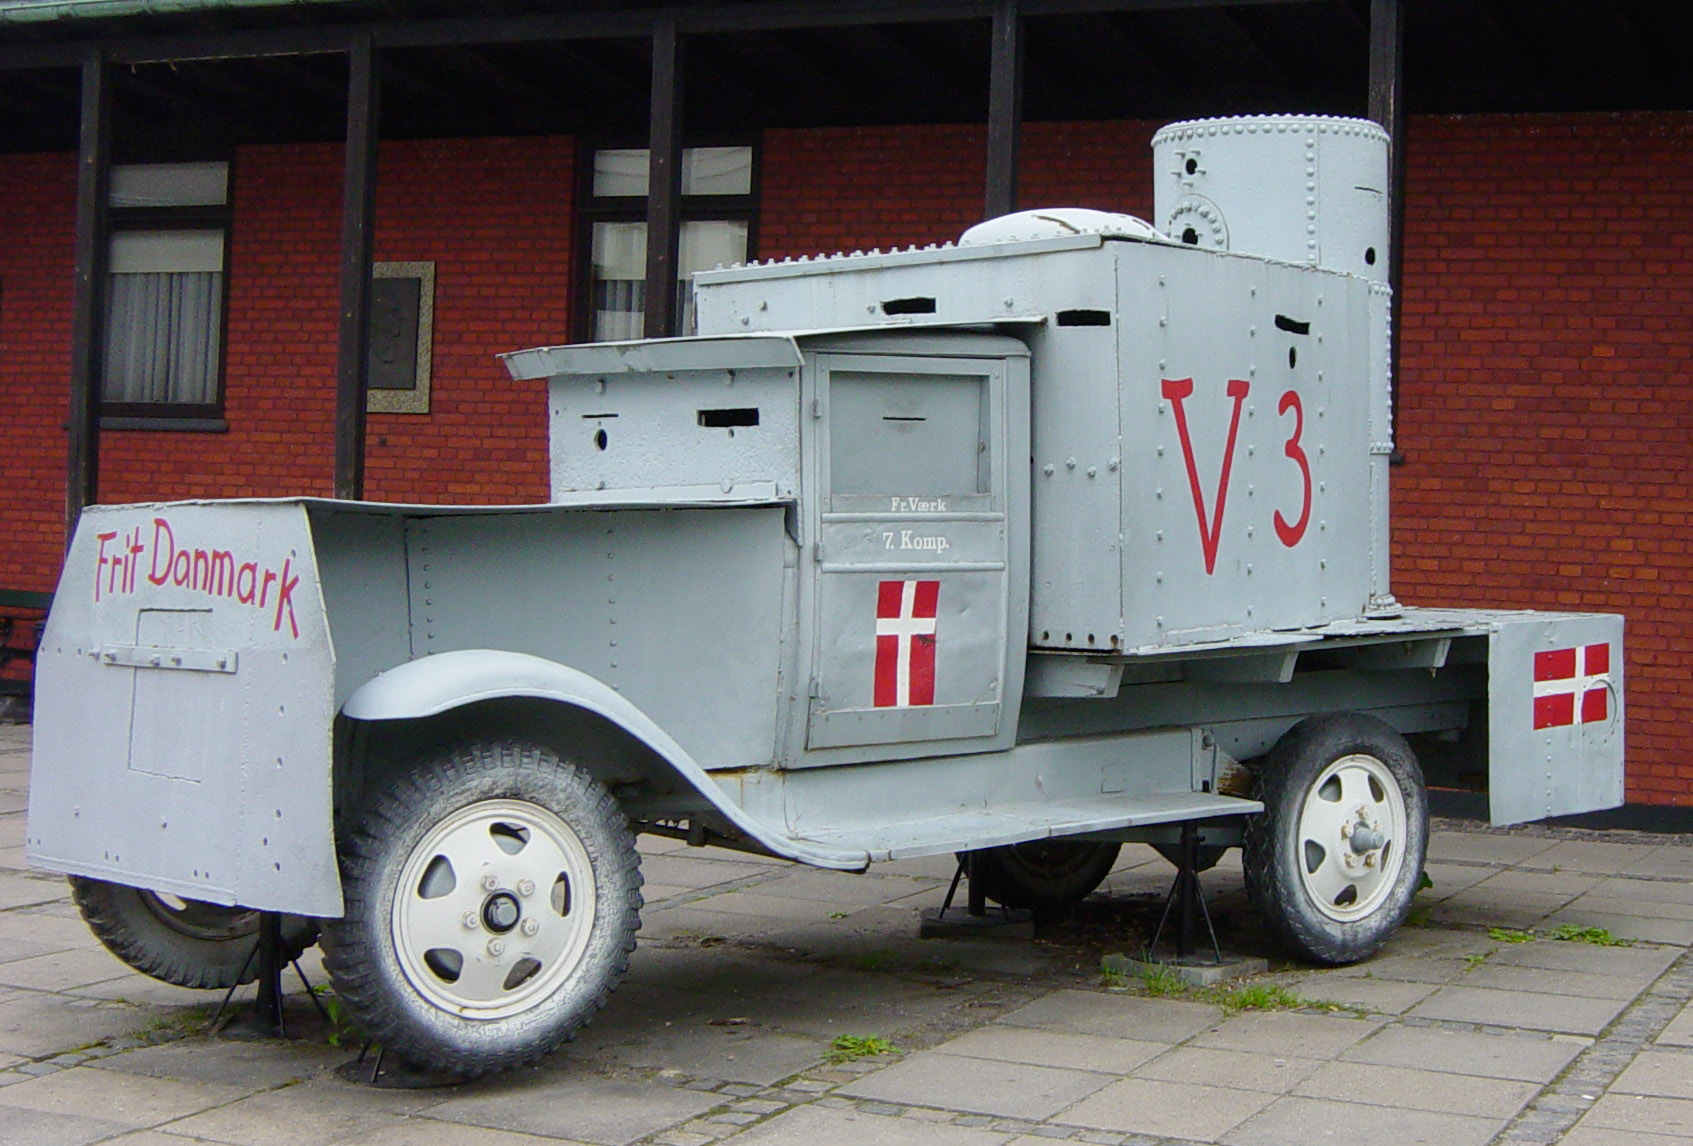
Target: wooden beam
{"x":664,"y":180}
{"x":358,"y":232}
{"x":1005,"y":109}
{"x":88,"y":306}
{"x":1387,"y":107}
{"x":449,"y":31}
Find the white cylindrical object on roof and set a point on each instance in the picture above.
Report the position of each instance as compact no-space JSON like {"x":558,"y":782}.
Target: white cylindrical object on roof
{"x":1303,"y":189}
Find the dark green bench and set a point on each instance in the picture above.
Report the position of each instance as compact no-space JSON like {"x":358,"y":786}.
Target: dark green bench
{"x":23,"y":616}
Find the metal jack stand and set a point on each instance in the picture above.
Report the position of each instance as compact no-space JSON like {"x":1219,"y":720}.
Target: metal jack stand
{"x":1189,"y":900}
{"x":940,"y":924}
{"x":266,"y":1018}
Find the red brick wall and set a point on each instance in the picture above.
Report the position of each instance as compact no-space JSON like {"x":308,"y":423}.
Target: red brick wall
{"x":495,"y":218}
{"x":37,"y":264}
{"x":1545,"y":404}
{"x":846,"y":189}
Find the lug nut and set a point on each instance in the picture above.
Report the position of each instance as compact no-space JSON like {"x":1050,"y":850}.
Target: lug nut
{"x":469,"y":920}
{"x":526,"y":887}
{"x":490,"y":882}
{"x":531,"y":926}
{"x":496,"y":946}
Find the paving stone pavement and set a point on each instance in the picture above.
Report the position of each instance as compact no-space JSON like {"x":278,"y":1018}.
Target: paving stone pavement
{"x":1476,"y":1024}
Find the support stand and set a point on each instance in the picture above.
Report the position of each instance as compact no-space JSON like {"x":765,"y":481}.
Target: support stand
{"x":266,"y":1019}
{"x":1188,"y":899}
{"x":975,"y":918}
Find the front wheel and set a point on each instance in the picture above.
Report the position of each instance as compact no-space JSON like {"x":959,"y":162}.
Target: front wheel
{"x":492,"y":899}
{"x":1333,"y":861}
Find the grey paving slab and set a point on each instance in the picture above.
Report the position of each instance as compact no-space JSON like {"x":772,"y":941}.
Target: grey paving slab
{"x":1667,"y":862}
{"x":1679,"y":1033}
{"x":608,"y":1112}
{"x":63,"y":970}
{"x":979,"y":1086}
{"x":1525,"y":1009}
{"x":1418,"y":1089}
{"x":1525,"y":1057}
{"x":32,"y":888}
{"x":1630,"y":905}
{"x":1382,"y":996}
{"x":1600,"y":856}
{"x":816,"y":1126}
{"x":1678,"y":890}
{"x":1666,"y":1074}
{"x":1545,"y":980}
{"x":1638,"y":1114}
{"x":1239,"y":1070}
{"x":1122,"y":1016}
{"x":1604,"y":1136}
{"x":1646,"y":928}
{"x":260,"y":1065}
{"x":1560,"y":883}
{"x":1302,"y":1121}
{"x":1403,"y":968}
{"x":710,"y":1048}
{"x":290,"y":1116}
{"x":1485,"y":847}
{"x":129,"y":1100}
{"x":845,"y":889}
{"x":1166,"y":1109}
{"x":1053,"y":1048}
{"x":426,"y":1132}
{"x":21,"y":1127}
{"x":34,"y":1025}
{"x":1641,"y":963}
{"x":1478,"y":909}
{"x":1288,"y":1032}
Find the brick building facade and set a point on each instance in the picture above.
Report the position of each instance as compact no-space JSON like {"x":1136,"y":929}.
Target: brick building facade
{"x":1547,"y":329}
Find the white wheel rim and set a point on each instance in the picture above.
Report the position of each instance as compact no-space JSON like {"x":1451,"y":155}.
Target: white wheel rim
{"x":1351,"y":840}
{"x":493,"y":909}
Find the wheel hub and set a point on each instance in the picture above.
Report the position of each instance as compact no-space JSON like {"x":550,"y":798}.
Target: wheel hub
{"x":1349,"y":825}
{"x":494,"y":909}
{"x":501,"y":912}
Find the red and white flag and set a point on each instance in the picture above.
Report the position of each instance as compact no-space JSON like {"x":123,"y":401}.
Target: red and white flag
{"x":905,"y":643}
{"x":1571,"y":686}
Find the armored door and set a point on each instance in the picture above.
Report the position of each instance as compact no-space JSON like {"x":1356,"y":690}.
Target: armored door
{"x":913,"y":568}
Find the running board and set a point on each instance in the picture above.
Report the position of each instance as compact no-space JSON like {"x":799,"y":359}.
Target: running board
{"x":1014,"y":824}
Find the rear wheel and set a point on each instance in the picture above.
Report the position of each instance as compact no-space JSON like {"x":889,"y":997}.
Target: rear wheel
{"x":1335,"y":858}
{"x":492,"y":899}
{"x":187,"y":942}
{"x":1044,"y":873}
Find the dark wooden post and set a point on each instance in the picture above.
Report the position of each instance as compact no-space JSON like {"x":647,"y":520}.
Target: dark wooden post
{"x":664,"y":182}
{"x":1005,"y":109}
{"x":1387,"y":107}
{"x":88,"y":314}
{"x":358,"y":227}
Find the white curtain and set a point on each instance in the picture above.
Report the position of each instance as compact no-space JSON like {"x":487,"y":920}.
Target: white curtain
{"x":163,"y":335}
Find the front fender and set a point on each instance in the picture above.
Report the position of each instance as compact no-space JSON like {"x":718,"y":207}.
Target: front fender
{"x":442,"y":682}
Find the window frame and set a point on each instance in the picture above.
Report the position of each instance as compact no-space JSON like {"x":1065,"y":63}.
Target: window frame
{"x":592,"y":209}
{"x":191,"y":416}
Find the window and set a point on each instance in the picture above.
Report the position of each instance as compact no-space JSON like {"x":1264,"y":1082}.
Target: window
{"x":164,"y":311}
{"x":716,"y":210}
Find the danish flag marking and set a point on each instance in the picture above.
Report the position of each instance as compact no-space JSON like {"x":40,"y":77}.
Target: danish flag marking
{"x":1571,"y":686}
{"x":905,"y":643}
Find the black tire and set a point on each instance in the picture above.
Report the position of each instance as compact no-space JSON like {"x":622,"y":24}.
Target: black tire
{"x":183,"y":941}
{"x":1208,"y":857}
{"x":1043,"y":874}
{"x":1331,"y":784}
{"x":492,"y":898}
